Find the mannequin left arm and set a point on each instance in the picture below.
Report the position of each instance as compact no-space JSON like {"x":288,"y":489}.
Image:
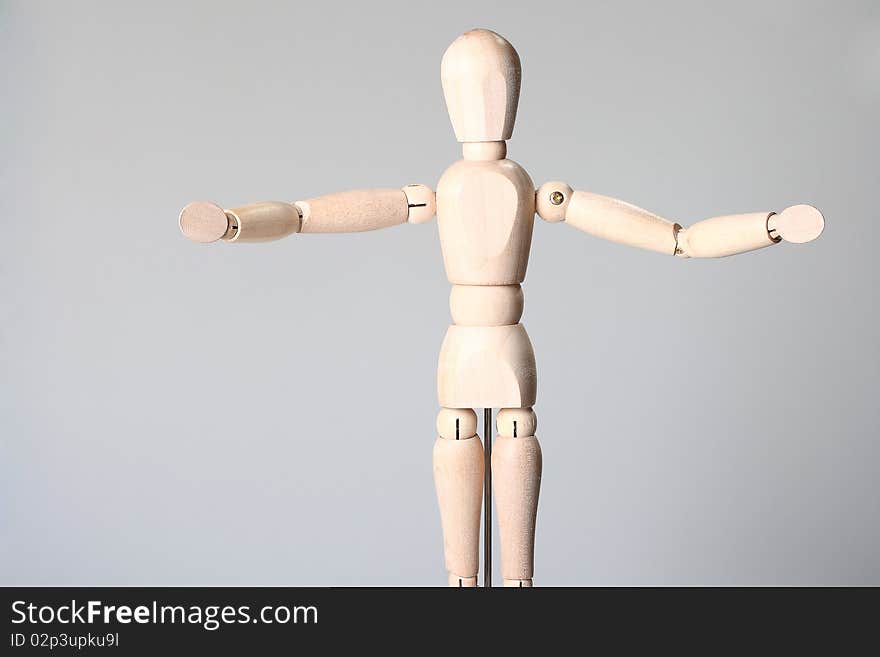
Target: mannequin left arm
{"x":621,"y":222}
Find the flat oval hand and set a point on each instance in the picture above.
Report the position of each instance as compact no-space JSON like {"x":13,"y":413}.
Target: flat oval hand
{"x":797,"y":224}
{"x":202,"y":221}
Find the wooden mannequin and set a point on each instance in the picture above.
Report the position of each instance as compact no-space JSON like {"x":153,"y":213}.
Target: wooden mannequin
{"x":485,"y":207}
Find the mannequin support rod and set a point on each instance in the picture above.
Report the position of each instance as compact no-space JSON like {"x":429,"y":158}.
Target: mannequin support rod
{"x":487,"y":498}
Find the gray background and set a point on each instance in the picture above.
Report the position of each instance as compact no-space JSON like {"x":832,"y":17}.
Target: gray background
{"x":263,"y":414}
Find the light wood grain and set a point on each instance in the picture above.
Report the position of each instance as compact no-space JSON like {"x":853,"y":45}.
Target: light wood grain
{"x":620,"y":222}
{"x":481,"y":77}
{"x":724,"y":236}
{"x":552,"y":199}
{"x":203,"y":221}
{"x":458,"y":478}
{"x":345,"y":212}
{"x":421,"y":203}
{"x":484,"y":150}
{"x":263,"y":222}
{"x":518,"y":583}
{"x":457,"y":423}
{"x":516,"y":481}
{"x":797,"y":224}
{"x":354,"y":212}
{"x":485,"y":215}
{"x":487,"y":367}
{"x":516,"y":422}
{"x":486,"y":305}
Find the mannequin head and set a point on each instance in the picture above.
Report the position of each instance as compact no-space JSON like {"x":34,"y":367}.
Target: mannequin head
{"x":481,"y":76}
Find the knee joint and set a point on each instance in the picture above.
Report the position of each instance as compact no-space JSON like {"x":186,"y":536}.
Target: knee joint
{"x":517,"y":422}
{"x":457,"y":423}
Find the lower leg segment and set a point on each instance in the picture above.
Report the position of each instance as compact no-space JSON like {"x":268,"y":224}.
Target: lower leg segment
{"x":458,"y":476}
{"x":516,"y":481}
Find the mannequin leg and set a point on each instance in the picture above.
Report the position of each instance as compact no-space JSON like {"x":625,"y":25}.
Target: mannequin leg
{"x":458,"y":476}
{"x":516,"y":481}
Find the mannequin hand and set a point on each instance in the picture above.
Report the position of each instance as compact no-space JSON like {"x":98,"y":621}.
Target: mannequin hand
{"x":797,"y":224}
{"x":202,"y":221}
